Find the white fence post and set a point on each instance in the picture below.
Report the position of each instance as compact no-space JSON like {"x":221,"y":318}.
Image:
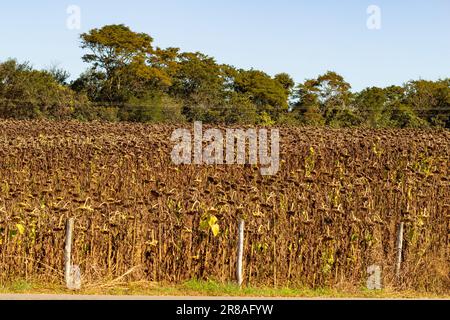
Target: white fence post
{"x":68,"y":252}
{"x":240,"y":252}
{"x":72,"y":273}
{"x":399,"y":248}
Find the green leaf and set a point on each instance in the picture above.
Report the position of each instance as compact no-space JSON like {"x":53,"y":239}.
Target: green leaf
{"x":204,"y":225}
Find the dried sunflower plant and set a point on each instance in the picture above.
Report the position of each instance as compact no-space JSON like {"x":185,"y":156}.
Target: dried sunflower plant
{"x":327,"y":215}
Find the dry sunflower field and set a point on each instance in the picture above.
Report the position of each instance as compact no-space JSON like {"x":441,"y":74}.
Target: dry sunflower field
{"x":332,"y":210}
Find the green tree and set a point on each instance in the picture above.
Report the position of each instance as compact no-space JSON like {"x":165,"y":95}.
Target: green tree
{"x":286,"y":82}
{"x":371,"y":105}
{"x":91,"y":83}
{"x":325,"y":100}
{"x":268,"y":94}
{"x":27,"y":93}
{"x":59,"y":74}
{"x":405,"y":117}
{"x":430,"y":100}
{"x":334,"y":95}
{"x":124,"y":57}
{"x":201,"y":84}
{"x":197,"y":76}
{"x":239,"y":109}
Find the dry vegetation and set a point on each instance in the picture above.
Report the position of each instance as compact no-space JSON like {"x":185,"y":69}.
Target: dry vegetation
{"x":331,"y":211}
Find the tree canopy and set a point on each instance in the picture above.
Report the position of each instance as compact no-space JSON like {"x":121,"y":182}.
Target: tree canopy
{"x":130,"y":79}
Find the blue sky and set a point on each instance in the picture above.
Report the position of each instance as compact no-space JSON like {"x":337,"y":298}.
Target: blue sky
{"x":303,"y":38}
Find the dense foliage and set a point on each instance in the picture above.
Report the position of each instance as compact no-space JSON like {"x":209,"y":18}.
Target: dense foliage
{"x":129,"y":79}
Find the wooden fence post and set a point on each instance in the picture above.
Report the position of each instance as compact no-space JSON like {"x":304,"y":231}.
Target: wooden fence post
{"x":72,"y":274}
{"x":68,"y":252}
{"x":240,"y":252}
{"x":399,"y":248}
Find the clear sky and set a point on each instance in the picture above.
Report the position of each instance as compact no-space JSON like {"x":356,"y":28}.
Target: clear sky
{"x":303,"y":38}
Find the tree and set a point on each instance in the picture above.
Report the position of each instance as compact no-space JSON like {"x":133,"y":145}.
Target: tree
{"x":27,"y":93}
{"x":371,"y":105}
{"x":59,"y":74}
{"x":405,"y":117}
{"x":334,"y":94}
{"x":268,"y":94}
{"x":430,"y":100}
{"x":167,"y":61}
{"x":286,"y":82}
{"x":197,"y":75}
{"x":124,"y":57}
{"x":115,"y":46}
{"x":324,"y":100}
{"x":91,"y":83}
{"x":201,"y":84}
{"x":239,"y":110}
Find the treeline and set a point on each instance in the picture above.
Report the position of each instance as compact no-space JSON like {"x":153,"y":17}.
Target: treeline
{"x":129,"y":79}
